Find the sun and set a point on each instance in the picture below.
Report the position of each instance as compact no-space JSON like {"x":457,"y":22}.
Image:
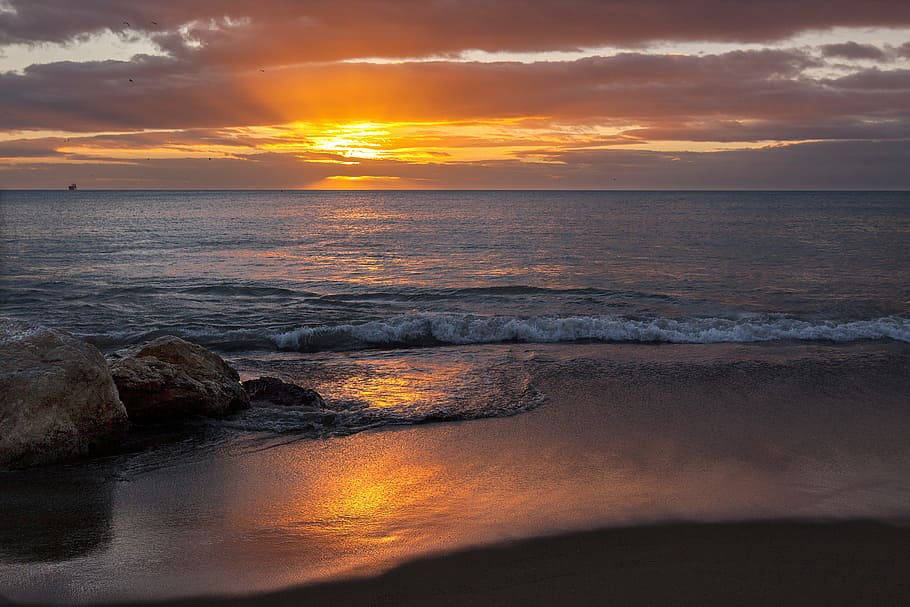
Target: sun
{"x":359,"y":140}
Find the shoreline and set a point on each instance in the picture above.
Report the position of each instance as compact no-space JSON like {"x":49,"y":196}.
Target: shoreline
{"x":748,"y":563}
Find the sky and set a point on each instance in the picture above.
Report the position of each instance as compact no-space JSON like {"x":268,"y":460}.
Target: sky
{"x":455,"y":94}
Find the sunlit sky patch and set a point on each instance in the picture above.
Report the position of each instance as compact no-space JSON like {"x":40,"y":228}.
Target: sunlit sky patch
{"x":105,"y":46}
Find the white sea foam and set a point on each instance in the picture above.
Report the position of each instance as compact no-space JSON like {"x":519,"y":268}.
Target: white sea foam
{"x":458,"y":329}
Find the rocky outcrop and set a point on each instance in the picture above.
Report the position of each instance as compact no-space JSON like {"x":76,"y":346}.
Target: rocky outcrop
{"x":169,"y":378}
{"x":277,"y":392}
{"x":57,"y":398}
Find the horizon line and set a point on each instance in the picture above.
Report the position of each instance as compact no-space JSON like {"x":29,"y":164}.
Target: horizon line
{"x":401,"y":190}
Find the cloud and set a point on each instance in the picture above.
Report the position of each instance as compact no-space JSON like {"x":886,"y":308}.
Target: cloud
{"x":104,"y":95}
{"x":874,"y":79}
{"x":853,"y":50}
{"x":817,"y":165}
{"x":755,"y":93}
{"x":261,"y":89}
{"x":293,"y":30}
{"x":813,"y":165}
{"x":27,"y":149}
{"x":839,"y":128}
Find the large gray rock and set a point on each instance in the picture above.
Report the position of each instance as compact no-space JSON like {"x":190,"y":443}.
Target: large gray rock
{"x":170,"y":378}
{"x":57,"y":398}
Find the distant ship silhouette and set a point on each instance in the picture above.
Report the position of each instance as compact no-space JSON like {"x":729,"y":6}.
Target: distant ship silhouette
{"x":72,"y":186}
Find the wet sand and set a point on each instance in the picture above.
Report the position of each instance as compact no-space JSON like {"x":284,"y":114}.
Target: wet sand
{"x":630,"y":437}
{"x":783,"y":563}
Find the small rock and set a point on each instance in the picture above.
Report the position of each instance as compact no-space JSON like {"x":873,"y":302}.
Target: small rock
{"x":277,"y":392}
{"x":57,"y":398}
{"x":170,"y":378}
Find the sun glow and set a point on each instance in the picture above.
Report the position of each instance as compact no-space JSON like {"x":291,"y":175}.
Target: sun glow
{"x":359,"y":140}
{"x":439,"y":142}
{"x":357,"y":155}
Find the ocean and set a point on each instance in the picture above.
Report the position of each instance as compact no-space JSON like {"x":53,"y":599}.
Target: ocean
{"x":502,"y":365}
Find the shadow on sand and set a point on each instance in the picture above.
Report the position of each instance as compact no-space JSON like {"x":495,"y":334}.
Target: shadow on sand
{"x":53,"y":514}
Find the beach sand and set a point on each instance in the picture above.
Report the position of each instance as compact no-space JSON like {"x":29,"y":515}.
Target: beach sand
{"x":783,"y":563}
{"x":630,"y":440}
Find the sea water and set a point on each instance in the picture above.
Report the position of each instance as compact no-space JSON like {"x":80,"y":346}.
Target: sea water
{"x":307,"y":274}
{"x":314,"y":271}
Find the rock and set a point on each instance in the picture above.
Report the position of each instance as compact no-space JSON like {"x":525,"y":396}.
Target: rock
{"x":275,"y":391}
{"x":170,"y":378}
{"x":57,"y":398}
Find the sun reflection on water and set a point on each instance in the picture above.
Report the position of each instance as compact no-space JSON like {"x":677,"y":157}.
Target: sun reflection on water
{"x":401,"y":383}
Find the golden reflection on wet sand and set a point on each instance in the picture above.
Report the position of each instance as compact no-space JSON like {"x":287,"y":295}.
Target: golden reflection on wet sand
{"x":361,"y":509}
{"x":355,"y":508}
{"x":364,"y":503}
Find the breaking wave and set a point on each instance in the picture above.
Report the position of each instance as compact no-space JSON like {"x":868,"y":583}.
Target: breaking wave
{"x":445,"y":329}
{"x":423,"y":330}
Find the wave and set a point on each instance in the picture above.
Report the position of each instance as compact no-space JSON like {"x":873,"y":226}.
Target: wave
{"x":425,"y":330}
{"x":487,"y":391}
{"x":449,"y":329}
{"x":244,"y":291}
{"x":510,"y":397}
{"x":504,"y":292}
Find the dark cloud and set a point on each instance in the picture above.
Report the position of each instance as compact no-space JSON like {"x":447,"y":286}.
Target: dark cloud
{"x":875,"y":79}
{"x":315,"y":29}
{"x":814,"y":165}
{"x":148,"y":92}
{"x":27,"y":149}
{"x":853,"y":50}
{"x":897,"y":127}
